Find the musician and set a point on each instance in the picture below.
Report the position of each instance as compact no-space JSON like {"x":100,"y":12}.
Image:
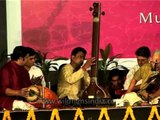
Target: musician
{"x":144,"y":73}
{"x":39,"y":88}
{"x":35,"y":73}
{"x":74,"y":74}
{"x":14,"y":81}
{"x":143,"y":56}
{"x":152,"y":89}
{"x":116,"y":86}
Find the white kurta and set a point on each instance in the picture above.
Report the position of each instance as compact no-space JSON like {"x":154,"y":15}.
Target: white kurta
{"x":36,"y":72}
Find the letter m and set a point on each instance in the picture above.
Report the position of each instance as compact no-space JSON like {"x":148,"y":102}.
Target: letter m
{"x":145,"y":19}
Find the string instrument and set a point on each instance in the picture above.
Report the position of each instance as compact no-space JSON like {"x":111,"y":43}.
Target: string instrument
{"x":153,"y":83}
{"x":36,"y":98}
{"x":93,"y":90}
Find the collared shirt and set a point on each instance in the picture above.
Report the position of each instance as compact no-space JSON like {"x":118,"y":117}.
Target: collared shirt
{"x":70,"y":81}
{"x":129,"y":77}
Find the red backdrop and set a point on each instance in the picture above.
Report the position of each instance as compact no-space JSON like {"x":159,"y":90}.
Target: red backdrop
{"x":57,"y":26}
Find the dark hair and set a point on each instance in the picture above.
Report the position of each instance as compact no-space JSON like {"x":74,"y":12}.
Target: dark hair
{"x":31,"y":51}
{"x":143,"y":51}
{"x":78,"y":49}
{"x":116,"y":72}
{"x":19,"y":51}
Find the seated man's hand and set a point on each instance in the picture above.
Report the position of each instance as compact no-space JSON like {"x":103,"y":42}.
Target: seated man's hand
{"x":37,"y":80}
{"x":89,"y":62}
{"x":23,"y":92}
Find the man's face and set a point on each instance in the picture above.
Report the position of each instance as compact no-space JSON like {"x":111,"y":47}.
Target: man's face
{"x":23,"y":60}
{"x":30,"y":61}
{"x":78,"y":58}
{"x":156,"y":59}
{"x":116,"y":81}
{"x":142,"y":60}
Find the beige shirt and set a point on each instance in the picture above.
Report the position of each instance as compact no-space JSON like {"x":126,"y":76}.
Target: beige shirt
{"x":69,"y":83}
{"x":143,"y":73}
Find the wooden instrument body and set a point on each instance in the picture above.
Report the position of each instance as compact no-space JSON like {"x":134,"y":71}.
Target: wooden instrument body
{"x":94,"y":91}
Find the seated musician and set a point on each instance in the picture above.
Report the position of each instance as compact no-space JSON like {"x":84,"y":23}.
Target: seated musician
{"x":143,"y":56}
{"x":35,"y":73}
{"x":116,"y":86}
{"x":73,"y":75}
{"x":14,"y":81}
{"x":152,"y":89}
{"x":50,"y":99}
{"x":144,"y":73}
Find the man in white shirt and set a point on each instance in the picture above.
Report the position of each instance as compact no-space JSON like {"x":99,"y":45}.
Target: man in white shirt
{"x":35,"y":72}
{"x":143,"y":56}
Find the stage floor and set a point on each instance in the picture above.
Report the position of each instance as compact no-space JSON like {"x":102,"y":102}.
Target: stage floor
{"x":140,"y":113}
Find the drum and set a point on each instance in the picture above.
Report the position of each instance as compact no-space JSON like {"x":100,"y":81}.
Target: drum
{"x":35,"y":97}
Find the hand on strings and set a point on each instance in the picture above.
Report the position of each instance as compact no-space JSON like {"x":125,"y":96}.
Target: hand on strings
{"x":89,"y":62}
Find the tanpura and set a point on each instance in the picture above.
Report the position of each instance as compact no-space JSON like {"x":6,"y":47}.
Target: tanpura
{"x":93,"y":90}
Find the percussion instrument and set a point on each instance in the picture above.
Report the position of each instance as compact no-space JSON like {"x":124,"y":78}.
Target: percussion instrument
{"x":36,"y":98}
